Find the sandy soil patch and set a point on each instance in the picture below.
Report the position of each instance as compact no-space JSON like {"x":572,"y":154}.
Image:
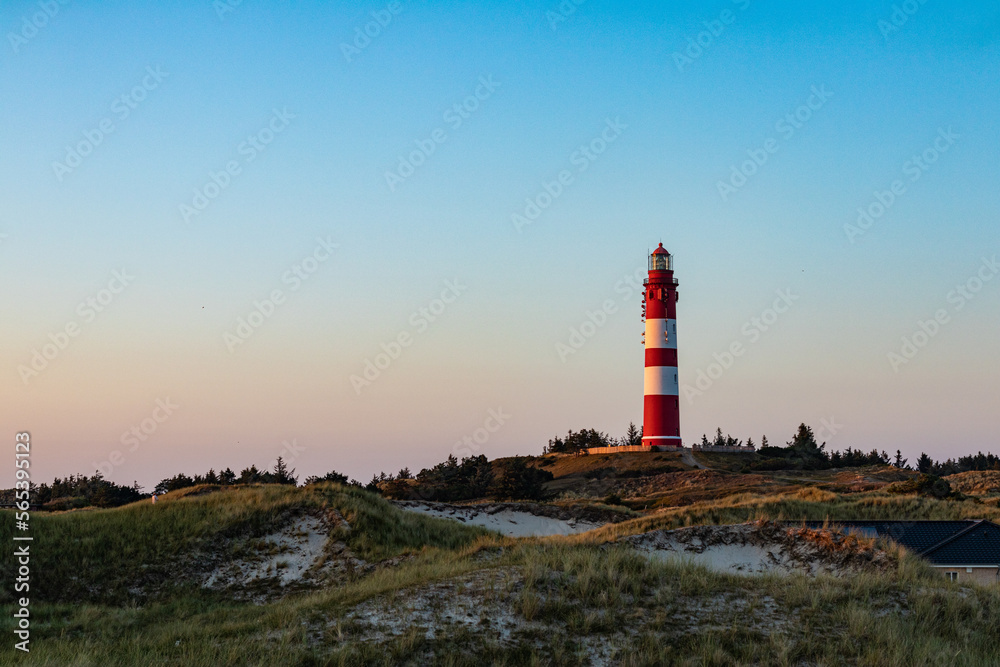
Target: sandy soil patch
{"x":762,"y":547}
{"x":486,"y":603}
{"x":511,"y":519}
{"x":302,"y":553}
{"x":482,"y":602}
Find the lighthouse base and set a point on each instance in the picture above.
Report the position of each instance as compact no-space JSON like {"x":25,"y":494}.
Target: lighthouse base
{"x":663,"y":443}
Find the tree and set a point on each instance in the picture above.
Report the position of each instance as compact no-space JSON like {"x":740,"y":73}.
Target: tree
{"x":804,"y":446}
{"x":763,"y":442}
{"x":750,"y":442}
{"x":281,"y":474}
{"x":178,"y":481}
{"x":454,"y":480}
{"x":514,"y":479}
{"x":633,"y":436}
{"x":332,"y":476}
{"x":250,"y":475}
{"x":575,"y":442}
{"x":899,"y":461}
{"x":925,"y":463}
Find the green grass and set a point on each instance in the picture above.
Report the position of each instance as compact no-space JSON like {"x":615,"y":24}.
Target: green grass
{"x":807,"y":504}
{"x":573,"y":598}
{"x":99,"y":555}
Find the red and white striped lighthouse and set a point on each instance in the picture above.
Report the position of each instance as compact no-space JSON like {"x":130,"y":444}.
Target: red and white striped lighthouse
{"x":661,"y":421}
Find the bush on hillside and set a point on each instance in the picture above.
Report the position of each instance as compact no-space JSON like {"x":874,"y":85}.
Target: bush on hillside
{"x":575,"y":442}
{"x":472,"y":478}
{"x":514,"y":479}
{"x":280,"y":475}
{"x":332,"y":476}
{"x":924,"y":485}
{"x":452,"y":480}
{"x":974,"y":462}
{"x":82,"y":491}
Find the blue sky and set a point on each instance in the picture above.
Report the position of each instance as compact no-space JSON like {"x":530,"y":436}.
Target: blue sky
{"x":680,"y":132}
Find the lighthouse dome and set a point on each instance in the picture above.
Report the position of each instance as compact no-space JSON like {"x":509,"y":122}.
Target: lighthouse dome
{"x":661,"y":260}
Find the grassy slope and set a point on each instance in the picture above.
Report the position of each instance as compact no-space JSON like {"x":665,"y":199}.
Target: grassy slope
{"x":578,"y":590}
{"x":98,"y":555}
{"x":985,"y":483}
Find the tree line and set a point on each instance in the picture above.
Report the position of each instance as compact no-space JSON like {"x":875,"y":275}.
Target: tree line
{"x":802,"y":452}
{"x":573,"y":443}
{"x":473,"y":477}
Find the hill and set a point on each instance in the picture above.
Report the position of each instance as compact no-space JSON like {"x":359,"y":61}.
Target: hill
{"x":976,"y":483}
{"x":335,"y":575}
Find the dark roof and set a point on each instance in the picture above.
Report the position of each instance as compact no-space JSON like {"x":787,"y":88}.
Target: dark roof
{"x":970,"y":542}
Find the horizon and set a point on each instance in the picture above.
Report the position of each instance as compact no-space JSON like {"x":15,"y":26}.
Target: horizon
{"x":248,"y":232}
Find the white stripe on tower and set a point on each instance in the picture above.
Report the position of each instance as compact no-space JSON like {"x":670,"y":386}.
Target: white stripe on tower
{"x":656,"y":337}
{"x":661,"y":381}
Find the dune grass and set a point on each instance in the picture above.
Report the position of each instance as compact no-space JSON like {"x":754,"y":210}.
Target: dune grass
{"x":575,"y":598}
{"x":105,"y":555}
{"x":806,"y":504}
{"x":578,"y":600}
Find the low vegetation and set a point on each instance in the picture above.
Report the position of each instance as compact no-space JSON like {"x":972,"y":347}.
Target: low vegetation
{"x":141,"y":551}
{"x":472,"y":478}
{"x":443,"y":593}
{"x":131,"y":585}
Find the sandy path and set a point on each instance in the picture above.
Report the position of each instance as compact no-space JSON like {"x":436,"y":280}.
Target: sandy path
{"x":511,"y":523}
{"x":687,"y":458}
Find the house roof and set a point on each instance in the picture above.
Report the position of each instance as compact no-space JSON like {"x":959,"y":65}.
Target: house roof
{"x":969,"y":542}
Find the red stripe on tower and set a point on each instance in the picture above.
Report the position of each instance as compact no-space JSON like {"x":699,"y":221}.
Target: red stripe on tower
{"x":661,"y":422}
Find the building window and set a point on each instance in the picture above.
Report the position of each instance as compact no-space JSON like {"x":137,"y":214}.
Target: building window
{"x":952,"y":576}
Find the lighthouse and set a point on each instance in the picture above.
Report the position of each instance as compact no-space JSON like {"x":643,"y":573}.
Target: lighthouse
{"x":661,"y":422}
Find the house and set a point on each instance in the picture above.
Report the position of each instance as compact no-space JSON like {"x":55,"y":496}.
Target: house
{"x":962,"y":550}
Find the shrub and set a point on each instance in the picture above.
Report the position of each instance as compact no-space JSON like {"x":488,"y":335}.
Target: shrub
{"x":924,"y":485}
{"x":581,"y":440}
{"x":514,"y":479}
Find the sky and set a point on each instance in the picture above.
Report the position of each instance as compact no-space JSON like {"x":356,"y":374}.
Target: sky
{"x":363,"y":236}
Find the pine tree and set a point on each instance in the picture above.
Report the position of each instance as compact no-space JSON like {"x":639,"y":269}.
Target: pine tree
{"x":763,"y":442}
{"x":633,"y":437}
{"x":925,"y":464}
{"x":900,"y":462}
{"x":282,"y":475}
{"x":750,"y":442}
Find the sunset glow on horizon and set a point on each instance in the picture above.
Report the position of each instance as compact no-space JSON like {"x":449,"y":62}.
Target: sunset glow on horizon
{"x":231,"y":236}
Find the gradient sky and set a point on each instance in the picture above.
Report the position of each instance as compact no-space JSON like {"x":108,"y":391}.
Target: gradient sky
{"x":287,"y":389}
